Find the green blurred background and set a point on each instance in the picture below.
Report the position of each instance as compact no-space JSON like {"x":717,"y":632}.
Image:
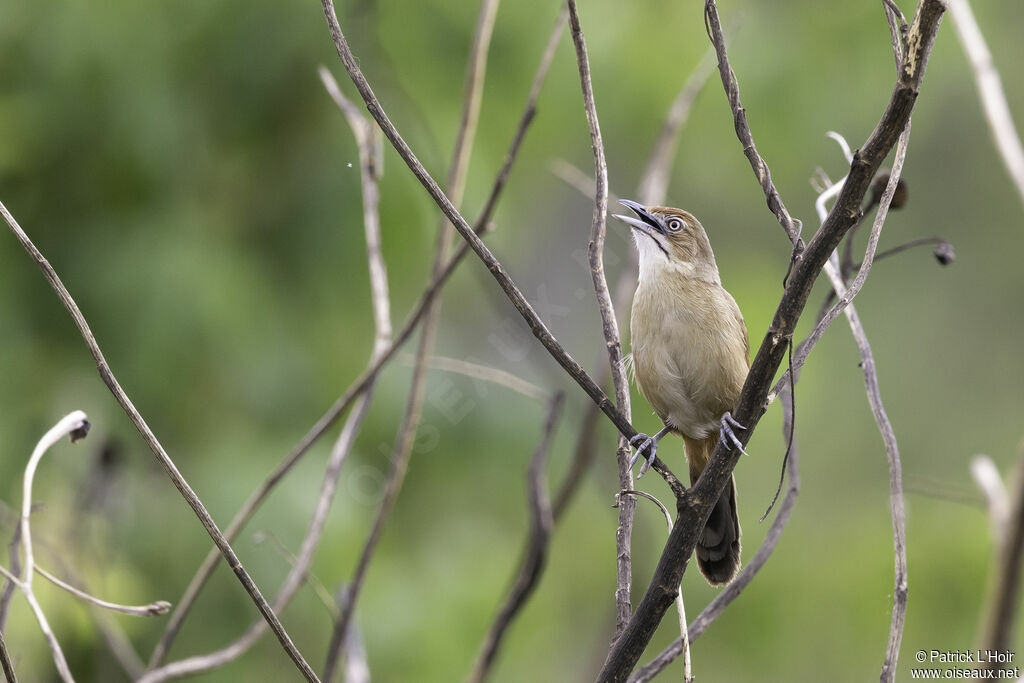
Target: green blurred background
{"x":183,"y":169}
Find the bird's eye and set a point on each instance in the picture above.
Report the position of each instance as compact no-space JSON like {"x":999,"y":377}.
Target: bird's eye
{"x":674,"y":224}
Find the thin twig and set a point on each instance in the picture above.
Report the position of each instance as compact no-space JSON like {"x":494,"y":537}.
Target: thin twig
{"x":15,"y":558}
{"x":753,"y":566}
{"x":846,"y":296}
{"x":532,"y":565}
{"x":986,"y":476}
{"x":75,"y":425}
{"x":990,"y":91}
{"x":345,"y":401}
{"x":153,"y":609}
{"x":314,"y":582}
{"x":481,"y":372}
{"x":456,"y":182}
{"x":897,"y":30}
{"x":651,"y":191}
{"x":575,"y":178}
{"x":695,"y":505}
{"x":684,"y":633}
{"x":158,"y":450}
{"x":512,"y":291}
{"x":899,"y":522}
{"x":609,"y":325}
{"x":369,"y":172}
{"x":654,"y":181}
{"x":943,"y":249}
{"x":111,"y":631}
{"x":757,"y":163}
{"x":869,"y":255}
{"x":6,"y":665}
{"x":1004,"y":593}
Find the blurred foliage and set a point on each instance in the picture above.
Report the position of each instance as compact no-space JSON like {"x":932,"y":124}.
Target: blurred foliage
{"x":182,"y":168}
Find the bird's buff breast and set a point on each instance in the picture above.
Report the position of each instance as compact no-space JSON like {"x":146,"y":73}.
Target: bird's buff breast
{"x":689,"y":353}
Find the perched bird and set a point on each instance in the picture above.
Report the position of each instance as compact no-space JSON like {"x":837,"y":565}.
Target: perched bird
{"x":690,"y":356}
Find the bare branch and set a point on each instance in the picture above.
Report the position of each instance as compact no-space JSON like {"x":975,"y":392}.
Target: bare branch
{"x":897,"y":30}
{"x":986,"y":476}
{"x":651,"y":191}
{"x":158,"y":450}
{"x":75,"y":425}
{"x":899,"y":521}
{"x":5,"y":658}
{"x":345,"y":401}
{"x":456,"y":182}
{"x":696,"y":503}
{"x":8,"y":591}
{"x":757,"y":163}
{"x":800,"y":357}
{"x":684,"y":634}
{"x":654,"y":181}
{"x":481,"y":372}
{"x":153,"y":609}
{"x":1004,"y":593}
{"x":990,"y":91}
{"x":541,"y":523}
{"x":537,"y":326}
{"x":369,"y":169}
{"x":609,"y":325}
{"x":753,"y":566}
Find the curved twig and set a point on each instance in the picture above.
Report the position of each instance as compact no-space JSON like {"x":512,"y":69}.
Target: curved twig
{"x":358,"y":386}
{"x":456,"y":183}
{"x":223,"y":545}
{"x":609,"y":325}
{"x":369,"y":166}
{"x":512,"y":291}
{"x":153,"y":609}
{"x":695,"y":506}
{"x":541,"y":523}
{"x":990,"y":92}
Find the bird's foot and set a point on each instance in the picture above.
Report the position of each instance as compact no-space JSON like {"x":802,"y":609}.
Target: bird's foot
{"x":648,"y":444}
{"x":642,"y":443}
{"x":728,"y":422}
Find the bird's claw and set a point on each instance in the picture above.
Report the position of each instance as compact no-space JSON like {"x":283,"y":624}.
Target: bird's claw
{"x":728,"y":422}
{"x":646,"y":443}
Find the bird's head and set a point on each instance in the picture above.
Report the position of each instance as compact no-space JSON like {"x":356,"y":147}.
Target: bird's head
{"x":671,"y":239}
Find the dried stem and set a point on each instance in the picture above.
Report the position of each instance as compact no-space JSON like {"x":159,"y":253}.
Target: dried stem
{"x":512,"y":291}
{"x":986,"y":476}
{"x":651,"y":191}
{"x":345,"y":401}
{"x":654,"y":181}
{"x":990,"y":91}
{"x":482,"y":372}
{"x":158,"y":450}
{"x":898,"y":512}
{"x":369,"y":166}
{"x":732,"y":92}
{"x":532,"y":565}
{"x":74,"y":425}
{"x":153,"y":609}
{"x":684,"y":633}
{"x":609,"y":325}
{"x":5,"y":658}
{"x":695,"y":505}
{"x":753,"y":566}
{"x":8,"y":591}
{"x":1004,"y":594}
{"x":456,"y":182}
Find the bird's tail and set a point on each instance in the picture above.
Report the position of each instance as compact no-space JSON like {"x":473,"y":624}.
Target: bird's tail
{"x":718,"y":549}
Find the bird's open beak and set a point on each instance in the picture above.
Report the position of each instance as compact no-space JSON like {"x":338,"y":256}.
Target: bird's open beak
{"x":646,"y":221}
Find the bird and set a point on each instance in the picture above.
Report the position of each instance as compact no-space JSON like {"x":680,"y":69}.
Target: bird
{"x":690,"y":358}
